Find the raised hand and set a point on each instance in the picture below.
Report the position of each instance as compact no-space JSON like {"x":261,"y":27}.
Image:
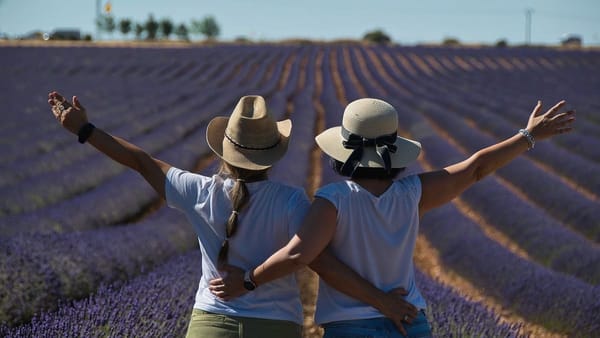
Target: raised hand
{"x":72,"y":116}
{"x":231,"y":285}
{"x":550,"y":123}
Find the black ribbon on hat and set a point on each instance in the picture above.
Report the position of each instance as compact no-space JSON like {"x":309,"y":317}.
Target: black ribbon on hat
{"x":384,"y":145}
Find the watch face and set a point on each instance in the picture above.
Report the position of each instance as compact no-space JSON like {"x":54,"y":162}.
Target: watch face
{"x":248,"y":285}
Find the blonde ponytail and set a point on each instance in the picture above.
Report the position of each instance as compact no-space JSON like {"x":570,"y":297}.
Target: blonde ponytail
{"x":239,"y":198}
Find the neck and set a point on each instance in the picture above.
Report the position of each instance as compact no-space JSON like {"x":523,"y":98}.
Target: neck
{"x":375,"y":186}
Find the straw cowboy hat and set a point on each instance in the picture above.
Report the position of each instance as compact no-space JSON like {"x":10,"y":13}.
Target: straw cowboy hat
{"x":250,"y":138}
{"x":368,"y":138}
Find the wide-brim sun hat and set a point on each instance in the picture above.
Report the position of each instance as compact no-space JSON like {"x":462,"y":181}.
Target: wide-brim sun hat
{"x":250,"y":138}
{"x":371,"y":125}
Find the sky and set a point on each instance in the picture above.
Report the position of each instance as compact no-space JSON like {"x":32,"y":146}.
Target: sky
{"x":406,"y":22}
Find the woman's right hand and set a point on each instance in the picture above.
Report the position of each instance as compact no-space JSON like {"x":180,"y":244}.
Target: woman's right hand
{"x":550,"y":123}
{"x":231,"y":285}
{"x":72,"y":116}
{"x":395,"y":307}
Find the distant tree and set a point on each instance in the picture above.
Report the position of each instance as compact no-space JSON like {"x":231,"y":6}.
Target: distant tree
{"x":377,"y":36}
{"x":106,"y":22}
{"x":451,"y":42}
{"x":109,"y":24}
{"x":125,"y":26}
{"x":138,"y":29}
{"x":502,"y":43}
{"x":166,"y":27}
{"x":151,"y":27}
{"x":572,"y":40}
{"x":207,"y":27}
{"x":242,"y":39}
{"x":182,"y":32}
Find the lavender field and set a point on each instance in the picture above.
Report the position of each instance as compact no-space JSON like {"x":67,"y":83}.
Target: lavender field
{"x":88,"y":250}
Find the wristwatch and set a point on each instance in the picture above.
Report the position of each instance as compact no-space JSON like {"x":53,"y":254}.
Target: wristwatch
{"x":248,"y":282}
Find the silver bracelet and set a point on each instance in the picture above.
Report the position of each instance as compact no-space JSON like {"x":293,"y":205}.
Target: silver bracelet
{"x":529,"y":137}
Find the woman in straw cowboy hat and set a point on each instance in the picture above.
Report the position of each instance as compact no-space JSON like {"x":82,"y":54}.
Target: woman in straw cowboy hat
{"x":370,"y":221}
{"x":239,"y":215}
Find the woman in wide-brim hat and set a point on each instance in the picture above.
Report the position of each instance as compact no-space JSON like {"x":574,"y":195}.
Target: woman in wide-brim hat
{"x":370,"y":221}
{"x":239,"y":215}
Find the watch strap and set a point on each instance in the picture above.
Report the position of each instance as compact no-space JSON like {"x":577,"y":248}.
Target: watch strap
{"x":85,"y":132}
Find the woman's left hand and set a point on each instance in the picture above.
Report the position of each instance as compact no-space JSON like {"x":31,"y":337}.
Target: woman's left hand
{"x":71,"y":115}
{"x":231,"y":285}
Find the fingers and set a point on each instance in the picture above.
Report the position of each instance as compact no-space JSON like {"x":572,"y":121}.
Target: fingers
{"x":56,"y":97}
{"x":219,"y":290}
{"x":76,"y":103}
{"x":401,"y":328}
{"x":552,"y":111}
{"x":216,"y":281}
{"x":562,"y":122}
{"x":566,"y":116}
{"x":537,"y":109}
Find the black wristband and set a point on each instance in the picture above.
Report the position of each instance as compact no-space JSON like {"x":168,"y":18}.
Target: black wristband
{"x":85,"y":132}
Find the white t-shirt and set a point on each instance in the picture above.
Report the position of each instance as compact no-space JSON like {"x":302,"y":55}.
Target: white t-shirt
{"x":376,"y":237}
{"x":270,"y":219}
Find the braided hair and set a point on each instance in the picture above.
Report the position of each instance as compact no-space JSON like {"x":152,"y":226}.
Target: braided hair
{"x":239,"y":198}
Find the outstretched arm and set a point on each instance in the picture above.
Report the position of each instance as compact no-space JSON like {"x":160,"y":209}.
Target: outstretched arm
{"x":72,"y":116}
{"x":439,"y":187}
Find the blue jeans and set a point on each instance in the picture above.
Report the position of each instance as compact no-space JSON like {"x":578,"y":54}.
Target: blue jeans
{"x":377,"y":328}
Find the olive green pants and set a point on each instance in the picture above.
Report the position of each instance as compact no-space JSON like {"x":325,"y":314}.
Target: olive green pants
{"x":209,"y":325}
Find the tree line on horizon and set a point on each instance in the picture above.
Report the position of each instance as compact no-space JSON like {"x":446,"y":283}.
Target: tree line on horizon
{"x":153,"y":29}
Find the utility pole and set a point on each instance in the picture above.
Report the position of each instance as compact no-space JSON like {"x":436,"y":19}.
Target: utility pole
{"x":528,"y":13}
{"x":98,"y":11}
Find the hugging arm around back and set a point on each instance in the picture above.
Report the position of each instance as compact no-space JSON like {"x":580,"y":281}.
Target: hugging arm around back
{"x":309,"y":247}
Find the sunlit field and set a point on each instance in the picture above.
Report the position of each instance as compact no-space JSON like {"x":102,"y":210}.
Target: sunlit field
{"x":87,"y":249}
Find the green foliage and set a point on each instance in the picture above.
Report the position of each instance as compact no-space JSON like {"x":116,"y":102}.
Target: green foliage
{"x":242,"y":39}
{"x":151,"y":27}
{"x":106,"y":23}
{"x":125,"y":26}
{"x":502,"y":43}
{"x":138,"y":29}
{"x":182,"y":32}
{"x":377,"y":36}
{"x":166,"y":27}
{"x":207,"y":27}
{"x":451,"y":42}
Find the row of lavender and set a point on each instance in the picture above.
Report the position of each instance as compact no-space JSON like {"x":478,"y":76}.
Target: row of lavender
{"x":43,"y":260}
{"x":107,"y":314}
{"x":483,"y":202}
{"x":524,"y":294}
{"x":66,"y":161}
{"x":158,"y":305}
{"x":327,"y":98}
{"x":543,"y":232}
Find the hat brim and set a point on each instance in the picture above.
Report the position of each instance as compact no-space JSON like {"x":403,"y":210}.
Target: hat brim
{"x":330,"y":142}
{"x":246,"y":158}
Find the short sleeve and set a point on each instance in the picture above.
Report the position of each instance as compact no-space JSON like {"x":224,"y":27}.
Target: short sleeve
{"x":182,"y":188}
{"x":329,"y":192}
{"x":411,"y":185}
{"x":298,"y":206}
